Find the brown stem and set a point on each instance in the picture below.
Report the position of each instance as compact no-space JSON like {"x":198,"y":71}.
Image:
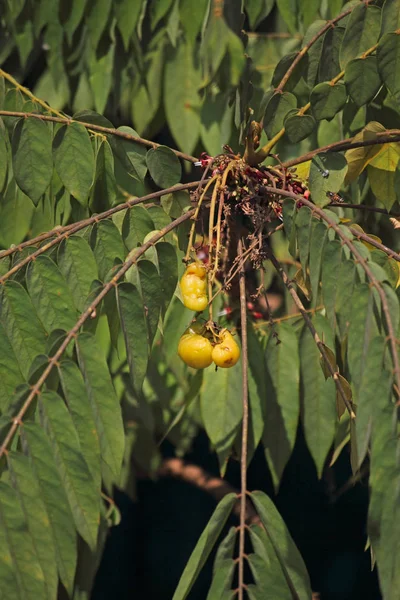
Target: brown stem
{"x":216,"y":487}
{"x":364,"y":236}
{"x":367,"y":270}
{"x":306,"y":48}
{"x":99,"y":128}
{"x":72,"y":334}
{"x":375,"y":209}
{"x":290,"y":287}
{"x":65,"y":232}
{"x":384,"y":137}
{"x":245,"y":423}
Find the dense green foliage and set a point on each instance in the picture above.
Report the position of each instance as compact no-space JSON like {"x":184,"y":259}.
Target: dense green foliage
{"x":90,"y":310}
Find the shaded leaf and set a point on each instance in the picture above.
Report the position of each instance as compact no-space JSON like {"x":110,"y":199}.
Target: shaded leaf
{"x":204,"y":546}
{"x":362,"y":79}
{"x":223,"y":570}
{"x":282,"y":399}
{"x":277,"y":109}
{"x":164,"y":166}
{"x":288,"y":555}
{"x":361,"y":33}
{"x":32,"y":158}
{"x":327,"y":100}
{"x":327,"y":173}
{"x":136,"y":225}
{"x":20,"y":570}
{"x":318,"y":395}
{"x":388,"y":56}
{"x":78,"y":265}
{"x":299,"y":127}
{"x":41,"y":456}
{"x":50,"y":295}
{"x":107,"y":245}
{"x":104,"y":402}
{"x":104,"y":190}
{"x":36,"y":517}
{"x":74,"y":160}
{"x":83,"y":497}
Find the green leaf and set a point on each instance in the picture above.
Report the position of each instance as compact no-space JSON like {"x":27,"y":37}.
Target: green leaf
{"x":329,"y":65}
{"x":204,"y":546}
{"x":216,"y":122}
{"x":327,"y":173}
{"x":314,"y":53}
{"x":75,"y":393}
{"x":21,"y":324}
{"x":104,"y":190}
{"x":327,"y":100}
{"x":345,"y":286}
{"x":164,"y":166}
{"x":257,"y":391}
{"x":288,"y":12}
{"x":361,"y":33}
{"x":382,"y":185}
{"x":277,"y":109}
{"x":318,"y":239}
{"x":319,"y":395}
{"x":388,"y":56}
{"x":223,"y":569}
{"x":41,"y":455}
{"x":390,"y":16}
{"x":331,"y":262}
{"x":127,"y":15}
{"x":151,"y":289}
{"x":168,"y":269}
{"x":74,"y":160}
{"x":105,"y":405}
{"x":221,"y":407}
{"x":265,"y":567}
{"x":20,"y":570}
{"x":108,"y":247}
{"x":362,"y":79}
{"x":36,"y":517}
{"x":258,"y":10}
{"x":132,"y":155}
{"x":182,"y":80}
{"x":12,"y":230}
{"x":10,"y":370}
{"x":50,"y":295}
{"x":370,"y":388}
{"x":32,"y":157}
{"x":299,"y":127}
{"x":78,"y":266}
{"x":288,"y":555}
{"x":192,"y":14}
{"x":134,"y":328}
{"x":3,"y":153}
{"x":101,"y":77}
{"x":303,"y":229}
{"x":363,"y":329}
{"x":282,"y":399}
{"x":83,"y":497}
{"x":136,"y":225}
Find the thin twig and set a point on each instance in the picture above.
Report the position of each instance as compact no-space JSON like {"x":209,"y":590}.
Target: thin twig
{"x":245,"y":422}
{"x":28,"y":93}
{"x":99,"y":128}
{"x":73,"y":333}
{"x":384,"y":137}
{"x":364,"y":236}
{"x":374,"y":281}
{"x":64,"y":232}
{"x":303,"y":51}
{"x":290,"y":287}
{"x":366,"y":207}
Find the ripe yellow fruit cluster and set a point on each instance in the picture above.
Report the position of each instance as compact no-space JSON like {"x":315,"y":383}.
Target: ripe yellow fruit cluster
{"x":194,"y":287}
{"x":197,"y":351}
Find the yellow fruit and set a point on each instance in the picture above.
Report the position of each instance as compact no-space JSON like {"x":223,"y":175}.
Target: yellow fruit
{"x":195,"y":350}
{"x":194,"y":287}
{"x":226,"y":353}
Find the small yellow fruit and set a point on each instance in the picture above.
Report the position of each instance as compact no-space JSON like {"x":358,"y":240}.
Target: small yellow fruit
{"x":226,"y":353}
{"x":195,"y":350}
{"x":194,"y":287}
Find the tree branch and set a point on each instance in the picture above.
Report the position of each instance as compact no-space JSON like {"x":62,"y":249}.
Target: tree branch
{"x":375,"y":209}
{"x":304,"y":313}
{"x":65,"y":232}
{"x":306,"y":48}
{"x":384,"y":137}
{"x":367,"y":270}
{"x":35,"y":389}
{"x":245,"y":423}
{"x":99,"y":128}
